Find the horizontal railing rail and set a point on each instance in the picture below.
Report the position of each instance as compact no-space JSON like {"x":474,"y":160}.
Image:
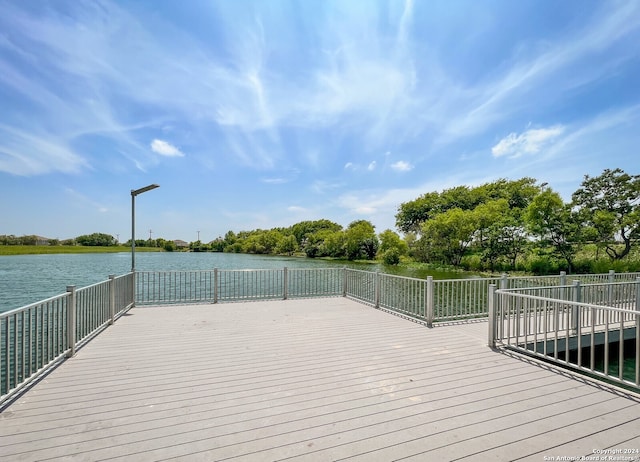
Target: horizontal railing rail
{"x":37,"y":337}
{"x":598,"y":336}
{"x":213,"y":286}
{"x":425,"y":299}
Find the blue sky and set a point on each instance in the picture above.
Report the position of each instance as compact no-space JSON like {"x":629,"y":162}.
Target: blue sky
{"x":257,"y":114}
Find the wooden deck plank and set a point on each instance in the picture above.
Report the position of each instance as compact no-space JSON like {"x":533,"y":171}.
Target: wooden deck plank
{"x":317,"y":379}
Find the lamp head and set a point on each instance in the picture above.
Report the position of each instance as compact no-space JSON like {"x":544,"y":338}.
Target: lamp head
{"x":135,"y":192}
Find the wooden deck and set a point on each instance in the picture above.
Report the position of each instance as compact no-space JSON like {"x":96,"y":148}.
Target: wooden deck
{"x":308,"y":380}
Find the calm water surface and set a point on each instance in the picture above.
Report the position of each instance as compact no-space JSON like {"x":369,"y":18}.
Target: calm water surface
{"x":25,"y":279}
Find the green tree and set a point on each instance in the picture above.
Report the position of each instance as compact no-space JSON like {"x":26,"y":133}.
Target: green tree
{"x":287,"y":245}
{"x":217,"y":245}
{"x":269,"y":240}
{"x":448,"y":235}
{"x":412,"y":214}
{"x":609,"y":204}
{"x":361,"y":242}
{"x":304,"y":229}
{"x":198,"y":246}
{"x":29,"y":240}
{"x":501,"y":235}
{"x":553,"y":223}
{"x":97,"y":239}
{"x":334,"y":244}
{"x":390,"y":239}
{"x":518,"y":194}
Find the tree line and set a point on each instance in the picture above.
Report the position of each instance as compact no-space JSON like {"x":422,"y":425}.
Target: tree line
{"x":523,"y":225}
{"x":86,"y":240}
{"x":317,"y":238}
{"x":503,"y":225}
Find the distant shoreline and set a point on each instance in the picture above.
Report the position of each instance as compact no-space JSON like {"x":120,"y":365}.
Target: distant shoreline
{"x":61,"y":249}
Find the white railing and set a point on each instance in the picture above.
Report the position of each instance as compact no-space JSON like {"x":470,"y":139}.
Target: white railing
{"x":592,"y":328}
{"x":427,"y":300}
{"x":424,"y":299}
{"x":36,"y":337}
{"x":213,"y":286}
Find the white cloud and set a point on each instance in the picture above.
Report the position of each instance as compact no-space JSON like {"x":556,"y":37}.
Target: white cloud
{"x":296,"y":209}
{"x":542,"y":73}
{"x":349,"y":166}
{"x":322,"y":187}
{"x":165,"y":148}
{"x":275,"y":180}
{"x":364,"y":210}
{"x":31,"y":152}
{"x":529,"y":142}
{"x":401,"y":166}
{"x":372,"y":166}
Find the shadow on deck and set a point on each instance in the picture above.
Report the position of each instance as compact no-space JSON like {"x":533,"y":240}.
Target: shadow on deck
{"x":315,"y":379}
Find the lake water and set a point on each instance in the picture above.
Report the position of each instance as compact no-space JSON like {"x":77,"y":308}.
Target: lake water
{"x":25,"y":279}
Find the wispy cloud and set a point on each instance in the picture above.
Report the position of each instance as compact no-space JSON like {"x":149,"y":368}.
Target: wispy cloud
{"x":164,"y":148}
{"x":401,"y":166}
{"x":27,"y":153}
{"x":324,"y":186}
{"x":315,"y":99}
{"x":529,"y":142}
{"x":542,"y":73}
{"x":275,"y":180}
{"x":79,"y":198}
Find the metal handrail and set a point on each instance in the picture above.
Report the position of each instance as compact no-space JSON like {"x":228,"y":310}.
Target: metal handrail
{"x":37,"y":337}
{"x":570,"y":331}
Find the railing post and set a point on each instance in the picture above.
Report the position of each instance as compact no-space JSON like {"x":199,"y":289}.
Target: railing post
{"x":376,"y":286}
{"x":612,"y":279}
{"x":492,"y":316}
{"x":504,"y":283}
{"x":563,"y":278}
{"x":71,"y":321}
{"x":638,"y":294}
{"x":344,"y":281}
{"x":133,"y":289}
{"x":428,"y":296}
{"x":285,"y":283}
{"x":112,"y":298}
{"x":577,"y":298}
{"x":563,"y":282}
{"x":215,"y":285}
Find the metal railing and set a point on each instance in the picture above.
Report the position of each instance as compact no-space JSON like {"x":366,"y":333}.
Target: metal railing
{"x":213,"y":286}
{"x":36,"y":337}
{"x":592,"y":328}
{"x":427,"y":300}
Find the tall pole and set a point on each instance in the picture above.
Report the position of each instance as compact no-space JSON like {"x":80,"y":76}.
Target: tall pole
{"x":134,"y":193}
{"x":133,"y":232}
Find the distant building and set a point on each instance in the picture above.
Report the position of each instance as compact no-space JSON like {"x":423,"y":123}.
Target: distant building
{"x":181,"y":244}
{"x":42,"y":240}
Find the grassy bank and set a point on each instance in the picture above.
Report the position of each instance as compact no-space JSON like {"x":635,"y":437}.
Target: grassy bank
{"x":46,"y":249}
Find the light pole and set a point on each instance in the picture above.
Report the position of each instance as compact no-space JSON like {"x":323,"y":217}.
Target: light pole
{"x":134,"y":193}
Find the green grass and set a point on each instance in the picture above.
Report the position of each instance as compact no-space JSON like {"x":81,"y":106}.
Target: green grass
{"x":46,"y":249}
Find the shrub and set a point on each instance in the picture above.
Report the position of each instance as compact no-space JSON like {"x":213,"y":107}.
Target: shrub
{"x":391,"y":256}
